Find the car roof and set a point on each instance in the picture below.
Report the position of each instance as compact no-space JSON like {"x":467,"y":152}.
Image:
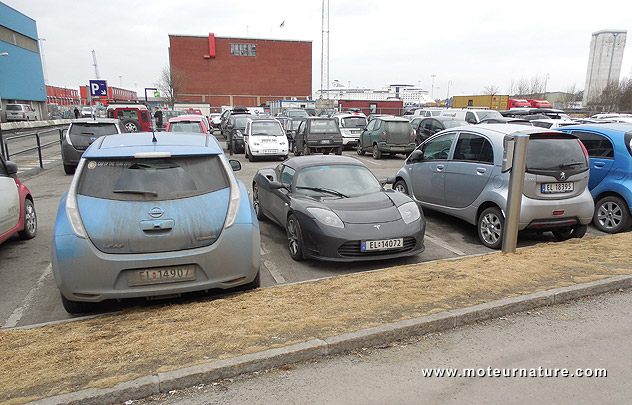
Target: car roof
{"x":181,"y":143}
{"x":442,"y":118}
{"x":298,"y":163}
{"x":391,"y":118}
{"x":622,"y":127}
{"x":138,"y":106}
{"x":497,"y":132}
{"x":96,"y":120}
{"x":346,"y":115}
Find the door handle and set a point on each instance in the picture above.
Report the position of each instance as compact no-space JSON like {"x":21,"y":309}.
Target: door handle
{"x":440,"y":167}
{"x":599,"y":164}
{"x":481,"y":170}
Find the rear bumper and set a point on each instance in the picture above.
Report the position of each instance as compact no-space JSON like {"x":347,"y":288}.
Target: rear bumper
{"x":390,"y":148}
{"x":539,"y":214}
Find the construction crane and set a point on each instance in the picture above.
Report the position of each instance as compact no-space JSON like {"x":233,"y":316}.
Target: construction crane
{"x":324,"y":59}
{"x":96,"y":67}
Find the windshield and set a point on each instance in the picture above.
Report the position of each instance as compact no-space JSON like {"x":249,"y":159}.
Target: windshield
{"x":483,"y":115}
{"x":131,"y":179}
{"x":14,"y":107}
{"x":270,"y":128}
{"x":297,"y":113}
{"x":240,"y":123}
{"x":354,"y":122}
{"x":80,"y":128}
{"x":323,"y":126}
{"x":349,"y":180}
{"x":186,"y":126}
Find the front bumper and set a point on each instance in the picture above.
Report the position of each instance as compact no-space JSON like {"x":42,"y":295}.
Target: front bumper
{"x":327,"y":243}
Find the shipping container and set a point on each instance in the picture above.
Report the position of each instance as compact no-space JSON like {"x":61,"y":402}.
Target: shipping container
{"x":494,"y":102}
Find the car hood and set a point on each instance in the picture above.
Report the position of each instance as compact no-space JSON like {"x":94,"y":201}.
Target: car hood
{"x":364,"y":209}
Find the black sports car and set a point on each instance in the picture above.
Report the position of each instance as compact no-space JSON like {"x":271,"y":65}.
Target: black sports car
{"x":333,"y":208}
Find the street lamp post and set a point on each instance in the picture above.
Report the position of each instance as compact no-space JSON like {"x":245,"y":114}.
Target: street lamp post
{"x":432,"y":90}
{"x":447,"y":96}
{"x":546,"y":79}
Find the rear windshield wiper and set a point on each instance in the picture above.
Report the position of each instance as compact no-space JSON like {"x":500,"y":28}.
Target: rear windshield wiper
{"x":324,"y":190}
{"x":143,"y":192}
{"x":571,"y":164}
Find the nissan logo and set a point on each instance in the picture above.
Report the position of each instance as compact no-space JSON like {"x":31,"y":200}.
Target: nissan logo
{"x":156,"y":212}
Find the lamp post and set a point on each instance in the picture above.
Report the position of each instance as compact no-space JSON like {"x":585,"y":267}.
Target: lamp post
{"x":1,"y":142}
{"x":546,"y":79}
{"x":432,"y":90}
{"x":447,"y":96}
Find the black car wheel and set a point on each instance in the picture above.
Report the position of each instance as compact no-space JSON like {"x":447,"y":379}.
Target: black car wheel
{"x":611,"y":215}
{"x":307,"y":150}
{"x":131,"y":125}
{"x":78,"y":307}
{"x":359,"y":149}
{"x":294,"y":238}
{"x":490,"y":227}
{"x":69,"y":169}
{"x":400,"y":186}
{"x":251,"y":158}
{"x":577,"y":231}
{"x":30,"y":221}
{"x":339,"y":150}
{"x":256,"y":203}
{"x":295,"y":150}
{"x":376,"y":152}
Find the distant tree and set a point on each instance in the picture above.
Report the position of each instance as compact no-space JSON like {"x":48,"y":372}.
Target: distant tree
{"x":569,"y":97}
{"x":522,"y":88}
{"x":536,"y":87}
{"x":170,"y":84}
{"x":492,"y":90}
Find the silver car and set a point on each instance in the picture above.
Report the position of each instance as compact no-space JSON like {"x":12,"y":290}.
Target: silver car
{"x":81,"y":133}
{"x":458,"y":172}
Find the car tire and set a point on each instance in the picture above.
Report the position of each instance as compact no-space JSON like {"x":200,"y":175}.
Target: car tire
{"x":256,"y":203}
{"x":359,"y":149}
{"x":296,"y":151}
{"x":577,"y":231}
{"x":77,"y":307}
{"x":490,"y":226}
{"x":69,"y":169}
{"x":294,"y":238}
{"x":612,"y":215}
{"x":339,"y":150}
{"x":131,"y":125}
{"x":400,"y":185}
{"x":307,"y":150}
{"x":30,"y":221}
{"x":251,"y":158}
{"x":377,"y":154}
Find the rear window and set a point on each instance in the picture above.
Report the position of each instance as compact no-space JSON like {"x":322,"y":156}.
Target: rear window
{"x":80,"y":128}
{"x":398,"y":127}
{"x":354,"y":122}
{"x":555,"y":154}
{"x":14,"y":107}
{"x":483,"y":115}
{"x":131,"y":179}
{"x":126,"y":114}
{"x":186,"y":126}
{"x":297,"y":113}
{"x":323,"y":126}
{"x":240,"y":122}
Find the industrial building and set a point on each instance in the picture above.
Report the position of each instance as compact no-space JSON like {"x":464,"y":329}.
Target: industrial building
{"x":21,"y":73}
{"x":604,"y":61}
{"x":239,"y":71}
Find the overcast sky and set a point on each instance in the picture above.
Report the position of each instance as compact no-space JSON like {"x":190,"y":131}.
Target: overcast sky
{"x":372,"y":42}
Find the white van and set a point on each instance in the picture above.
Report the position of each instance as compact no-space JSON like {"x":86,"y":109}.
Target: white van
{"x":265,"y":137}
{"x":428,"y":112}
{"x":20,"y":112}
{"x":472,"y":116}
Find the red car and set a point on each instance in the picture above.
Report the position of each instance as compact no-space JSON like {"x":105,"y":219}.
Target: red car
{"x":189,"y":123}
{"x":17,"y":211}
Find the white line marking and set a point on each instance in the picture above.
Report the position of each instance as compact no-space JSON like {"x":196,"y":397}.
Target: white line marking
{"x":443,"y":244}
{"x":276,"y":275}
{"x":15,"y":317}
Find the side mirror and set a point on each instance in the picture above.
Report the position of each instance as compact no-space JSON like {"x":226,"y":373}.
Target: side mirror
{"x":235,"y":165}
{"x":389,"y":180}
{"x":12,"y":168}
{"x":275,"y":185}
{"x":416,"y":156}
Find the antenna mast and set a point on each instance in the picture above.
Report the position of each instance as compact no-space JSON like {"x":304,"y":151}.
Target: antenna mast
{"x":324,"y":59}
{"x":96,"y":67}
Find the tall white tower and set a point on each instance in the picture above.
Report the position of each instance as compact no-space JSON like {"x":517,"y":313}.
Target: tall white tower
{"x":604,"y":61}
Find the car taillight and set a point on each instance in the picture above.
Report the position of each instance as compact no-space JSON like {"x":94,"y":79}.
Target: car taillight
{"x":23,"y":115}
{"x":584,"y":148}
{"x":72,"y":210}
{"x":233,"y":205}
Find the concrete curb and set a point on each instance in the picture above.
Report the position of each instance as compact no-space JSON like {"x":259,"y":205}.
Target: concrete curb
{"x":316,"y":348}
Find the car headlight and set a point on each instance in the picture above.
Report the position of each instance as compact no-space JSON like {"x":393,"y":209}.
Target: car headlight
{"x":326,"y":217}
{"x":409,"y":212}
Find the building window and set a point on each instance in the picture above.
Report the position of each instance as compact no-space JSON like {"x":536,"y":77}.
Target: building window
{"x":17,"y":39}
{"x":243,"y":49}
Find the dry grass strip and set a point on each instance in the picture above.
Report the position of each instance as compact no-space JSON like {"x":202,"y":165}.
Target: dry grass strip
{"x":103,"y":351}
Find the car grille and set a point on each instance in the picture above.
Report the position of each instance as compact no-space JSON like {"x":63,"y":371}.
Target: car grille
{"x":352,"y":249}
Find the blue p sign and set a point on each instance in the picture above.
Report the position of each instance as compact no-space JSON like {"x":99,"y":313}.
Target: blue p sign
{"x":98,"y":88}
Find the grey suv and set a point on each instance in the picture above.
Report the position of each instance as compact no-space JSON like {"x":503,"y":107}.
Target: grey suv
{"x":458,"y":172}
{"x":81,"y":133}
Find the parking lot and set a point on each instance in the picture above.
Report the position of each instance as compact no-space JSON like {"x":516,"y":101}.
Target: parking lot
{"x":30,"y":295}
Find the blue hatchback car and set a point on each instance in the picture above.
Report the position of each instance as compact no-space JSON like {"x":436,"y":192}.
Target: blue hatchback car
{"x":610,"y":150}
{"x":148,"y":217}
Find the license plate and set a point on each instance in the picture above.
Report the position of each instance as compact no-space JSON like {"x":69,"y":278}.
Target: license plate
{"x":269,"y":151}
{"x":384,"y":244}
{"x":161,"y":275}
{"x":550,"y":188}
{"x":398,"y":148}
{"x":325,"y":141}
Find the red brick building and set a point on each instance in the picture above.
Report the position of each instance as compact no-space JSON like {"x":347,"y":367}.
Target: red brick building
{"x":240,"y":71}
